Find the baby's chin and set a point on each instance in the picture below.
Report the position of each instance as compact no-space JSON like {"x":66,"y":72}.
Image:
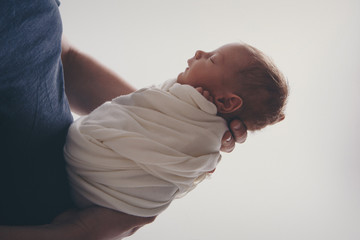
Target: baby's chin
{"x":179,"y":78}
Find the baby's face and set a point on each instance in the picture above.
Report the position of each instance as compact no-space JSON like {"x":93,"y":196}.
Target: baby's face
{"x":214,"y":71}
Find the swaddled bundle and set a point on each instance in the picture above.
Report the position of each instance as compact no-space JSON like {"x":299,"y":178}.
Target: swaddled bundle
{"x":138,"y":152}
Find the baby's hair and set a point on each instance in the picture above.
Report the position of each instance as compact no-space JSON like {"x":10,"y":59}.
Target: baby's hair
{"x":264,"y":91}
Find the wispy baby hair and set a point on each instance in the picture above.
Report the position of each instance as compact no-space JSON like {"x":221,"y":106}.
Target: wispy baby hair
{"x":264,"y":91}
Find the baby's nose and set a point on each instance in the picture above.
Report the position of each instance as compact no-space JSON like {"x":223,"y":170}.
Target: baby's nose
{"x":189,"y":61}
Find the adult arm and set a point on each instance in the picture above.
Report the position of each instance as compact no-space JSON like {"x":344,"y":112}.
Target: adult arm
{"x":95,"y":223}
{"x":88,"y":83}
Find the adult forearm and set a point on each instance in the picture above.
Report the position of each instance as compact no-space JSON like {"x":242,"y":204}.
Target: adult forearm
{"x":88,"y":83}
{"x":93,"y":223}
{"x":44,"y":232}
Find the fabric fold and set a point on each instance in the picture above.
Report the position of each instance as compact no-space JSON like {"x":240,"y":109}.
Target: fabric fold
{"x":140,"y":151}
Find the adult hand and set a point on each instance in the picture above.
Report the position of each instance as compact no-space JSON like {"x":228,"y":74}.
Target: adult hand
{"x":237,"y":134}
{"x":101,"y":223}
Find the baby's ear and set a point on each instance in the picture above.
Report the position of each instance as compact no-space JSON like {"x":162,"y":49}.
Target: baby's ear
{"x":228,"y":103}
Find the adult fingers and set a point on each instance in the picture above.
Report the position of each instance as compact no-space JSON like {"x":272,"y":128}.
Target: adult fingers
{"x":227,"y":142}
{"x":238,"y":130}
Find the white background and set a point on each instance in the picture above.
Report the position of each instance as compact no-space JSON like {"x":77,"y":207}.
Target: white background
{"x":297,"y":180}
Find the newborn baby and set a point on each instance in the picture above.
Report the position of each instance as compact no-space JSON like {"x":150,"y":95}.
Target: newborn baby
{"x":136,"y":154}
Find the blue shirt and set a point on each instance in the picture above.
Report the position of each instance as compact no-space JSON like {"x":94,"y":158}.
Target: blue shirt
{"x":34,"y":113}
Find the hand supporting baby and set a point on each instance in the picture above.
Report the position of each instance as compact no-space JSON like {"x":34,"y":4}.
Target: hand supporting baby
{"x":237,"y":129}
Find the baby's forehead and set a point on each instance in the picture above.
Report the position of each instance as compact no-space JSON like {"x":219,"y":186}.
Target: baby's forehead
{"x":236,"y":54}
{"x":238,"y":47}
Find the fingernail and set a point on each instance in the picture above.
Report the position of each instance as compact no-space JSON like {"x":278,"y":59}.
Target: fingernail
{"x":237,"y":126}
{"x":228,"y":139}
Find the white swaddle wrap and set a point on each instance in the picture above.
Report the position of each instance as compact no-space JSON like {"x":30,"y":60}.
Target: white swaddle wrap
{"x":138,"y":152}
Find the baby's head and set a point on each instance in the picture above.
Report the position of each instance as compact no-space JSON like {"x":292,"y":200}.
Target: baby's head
{"x":243,"y":82}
